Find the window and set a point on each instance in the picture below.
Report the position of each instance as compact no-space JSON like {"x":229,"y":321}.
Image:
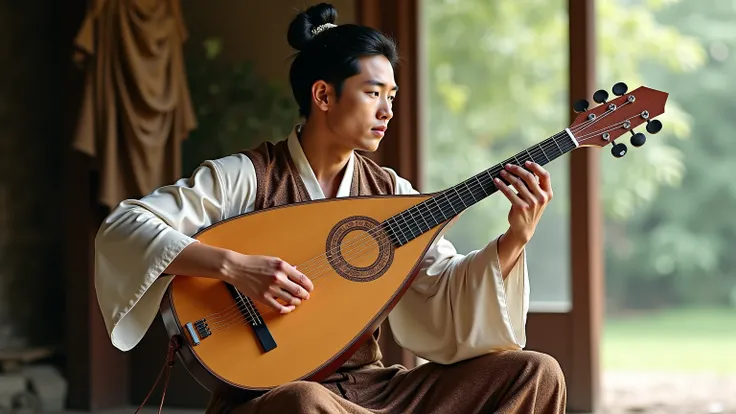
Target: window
{"x":496,"y":83}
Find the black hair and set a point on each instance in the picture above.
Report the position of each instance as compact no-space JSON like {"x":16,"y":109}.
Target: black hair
{"x":331,"y":55}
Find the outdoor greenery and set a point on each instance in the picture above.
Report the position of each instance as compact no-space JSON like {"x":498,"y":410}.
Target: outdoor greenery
{"x":671,"y":340}
{"x":679,"y":248}
{"x":498,"y":83}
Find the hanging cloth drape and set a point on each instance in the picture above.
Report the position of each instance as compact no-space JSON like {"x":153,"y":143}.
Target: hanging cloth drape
{"x":136,"y":107}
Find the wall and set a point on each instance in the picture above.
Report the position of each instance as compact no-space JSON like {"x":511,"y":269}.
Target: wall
{"x":253,"y":30}
{"x":31,"y":279}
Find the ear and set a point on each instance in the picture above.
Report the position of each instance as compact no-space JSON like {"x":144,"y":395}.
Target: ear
{"x":322,"y":95}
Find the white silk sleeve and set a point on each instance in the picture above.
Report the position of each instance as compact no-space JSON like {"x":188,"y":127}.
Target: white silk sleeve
{"x":460,"y":306}
{"x":140,"y":238}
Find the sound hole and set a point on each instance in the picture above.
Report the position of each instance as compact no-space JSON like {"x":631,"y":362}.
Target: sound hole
{"x":359,"y":250}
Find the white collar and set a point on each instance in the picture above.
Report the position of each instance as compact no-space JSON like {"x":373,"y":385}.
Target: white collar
{"x":307,"y":174}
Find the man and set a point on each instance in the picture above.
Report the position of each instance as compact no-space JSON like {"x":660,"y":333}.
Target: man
{"x":465,"y":314}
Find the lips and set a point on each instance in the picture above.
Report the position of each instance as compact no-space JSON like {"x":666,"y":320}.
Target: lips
{"x":381,"y":128}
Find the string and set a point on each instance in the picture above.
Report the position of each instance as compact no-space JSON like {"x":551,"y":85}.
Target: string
{"x":224,"y":316}
{"x":584,"y":125}
{"x":218,"y":317}
{"x":228,"y":322}
{"x":469,"y":190}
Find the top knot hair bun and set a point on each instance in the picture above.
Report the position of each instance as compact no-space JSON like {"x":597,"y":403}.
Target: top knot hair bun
{"x":310,"y":23}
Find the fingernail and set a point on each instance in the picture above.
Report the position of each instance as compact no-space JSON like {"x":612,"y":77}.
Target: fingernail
{"x":528,"y":163}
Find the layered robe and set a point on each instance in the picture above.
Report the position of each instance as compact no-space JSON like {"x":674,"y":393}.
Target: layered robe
{"x":458,"y":308}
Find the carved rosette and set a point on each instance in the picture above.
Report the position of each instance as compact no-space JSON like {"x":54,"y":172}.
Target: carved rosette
{"x":370,"y":239}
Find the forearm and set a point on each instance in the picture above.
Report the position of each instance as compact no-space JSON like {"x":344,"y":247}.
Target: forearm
{"x":510,"y":247}
{"x":199,"y":259}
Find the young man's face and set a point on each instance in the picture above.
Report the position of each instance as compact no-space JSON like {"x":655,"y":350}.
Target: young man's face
{"x":360,"y":117}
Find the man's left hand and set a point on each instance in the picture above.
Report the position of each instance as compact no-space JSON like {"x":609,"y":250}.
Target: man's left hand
{"x":533,"y":193}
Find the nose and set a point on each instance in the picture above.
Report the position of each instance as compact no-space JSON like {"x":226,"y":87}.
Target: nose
{"x":385,"y":111}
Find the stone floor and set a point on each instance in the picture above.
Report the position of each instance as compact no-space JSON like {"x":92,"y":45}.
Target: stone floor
{"x":671,"y":393}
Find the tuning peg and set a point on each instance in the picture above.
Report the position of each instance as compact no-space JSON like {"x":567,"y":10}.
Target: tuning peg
{"x":654,"y":126}
{"x":638,"y":139}
{"x":600,"y":96}
{"x":618,"y":150}
{"x":620,"y":88}
{"x":581,"y":105}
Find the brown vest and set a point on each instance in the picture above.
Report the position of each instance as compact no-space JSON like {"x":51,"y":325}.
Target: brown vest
{"x":279,"y":183}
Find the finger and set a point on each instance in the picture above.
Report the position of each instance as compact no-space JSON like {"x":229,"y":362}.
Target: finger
{"x":513,"y":198}
{"x":286,"y":296}
{"x":299,"y":278}
{"x":291,"y":273}
{"x":277,"y":306}
{"x":544,"y":178}
{"x":523,"y":191}
{"x":529,"y":179}
{"x":292,"y":288}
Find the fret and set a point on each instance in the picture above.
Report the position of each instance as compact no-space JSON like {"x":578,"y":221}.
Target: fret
{"x":530,"y":156}
{"x":541,"y":148}
{"x":405,"y":227}
{"x":460,"y":197}
{"x":490,"y":176}
{"x":439,"y":208}
{"x":451,"y":206}
{"x":390,"y":231}
{"x":558,"y":146}
{"x":392,"y":228}
{"x":482,"y":187}
{"x":415,"y":222}
{"x":408,"y":223}
{"x":470,"y":191}
{"x":406,"y":239}
{"x":419,"y":209}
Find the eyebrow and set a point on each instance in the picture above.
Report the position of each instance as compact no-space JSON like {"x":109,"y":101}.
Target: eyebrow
{"x":381,"y":84}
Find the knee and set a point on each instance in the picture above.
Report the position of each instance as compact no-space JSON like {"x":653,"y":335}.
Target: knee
{"x":302,"y":394}
{"x":543,"y":366}
{"x":525,"y":364}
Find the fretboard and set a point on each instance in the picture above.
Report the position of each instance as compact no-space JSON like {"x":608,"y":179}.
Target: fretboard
{"x":443,"y":206}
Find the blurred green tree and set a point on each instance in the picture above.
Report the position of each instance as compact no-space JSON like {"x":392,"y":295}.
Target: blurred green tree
{"x":677,"y":248}
{"x":497,"y":83}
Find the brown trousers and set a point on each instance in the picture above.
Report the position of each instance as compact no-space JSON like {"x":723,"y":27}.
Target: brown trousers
{"x":504,"y":382}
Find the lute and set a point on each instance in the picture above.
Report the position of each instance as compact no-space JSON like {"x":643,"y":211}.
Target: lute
{"x":361,"y":253}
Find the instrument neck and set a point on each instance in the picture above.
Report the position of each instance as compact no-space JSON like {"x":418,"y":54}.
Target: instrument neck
{"x":447,"y":204}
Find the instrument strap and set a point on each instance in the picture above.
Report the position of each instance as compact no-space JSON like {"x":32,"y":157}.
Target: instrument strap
{"x":174,"y":345}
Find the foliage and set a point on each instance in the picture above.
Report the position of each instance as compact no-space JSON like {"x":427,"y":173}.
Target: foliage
{"x":498,"y":82}
{"x":678,"y":248}
{"x":236,"y":109}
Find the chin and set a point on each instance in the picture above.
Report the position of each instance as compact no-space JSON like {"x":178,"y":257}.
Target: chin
{"x":370,"y":144}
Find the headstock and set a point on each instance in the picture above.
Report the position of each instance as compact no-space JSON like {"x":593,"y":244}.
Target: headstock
{"x":600,"y":126}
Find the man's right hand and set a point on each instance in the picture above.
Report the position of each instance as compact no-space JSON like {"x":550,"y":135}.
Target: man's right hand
{"x":262,"y":278}
{"x":266,"y":279}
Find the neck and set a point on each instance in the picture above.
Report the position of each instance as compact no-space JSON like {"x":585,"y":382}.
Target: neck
{"x":327,"y":161}
{"x":445,"y":205}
